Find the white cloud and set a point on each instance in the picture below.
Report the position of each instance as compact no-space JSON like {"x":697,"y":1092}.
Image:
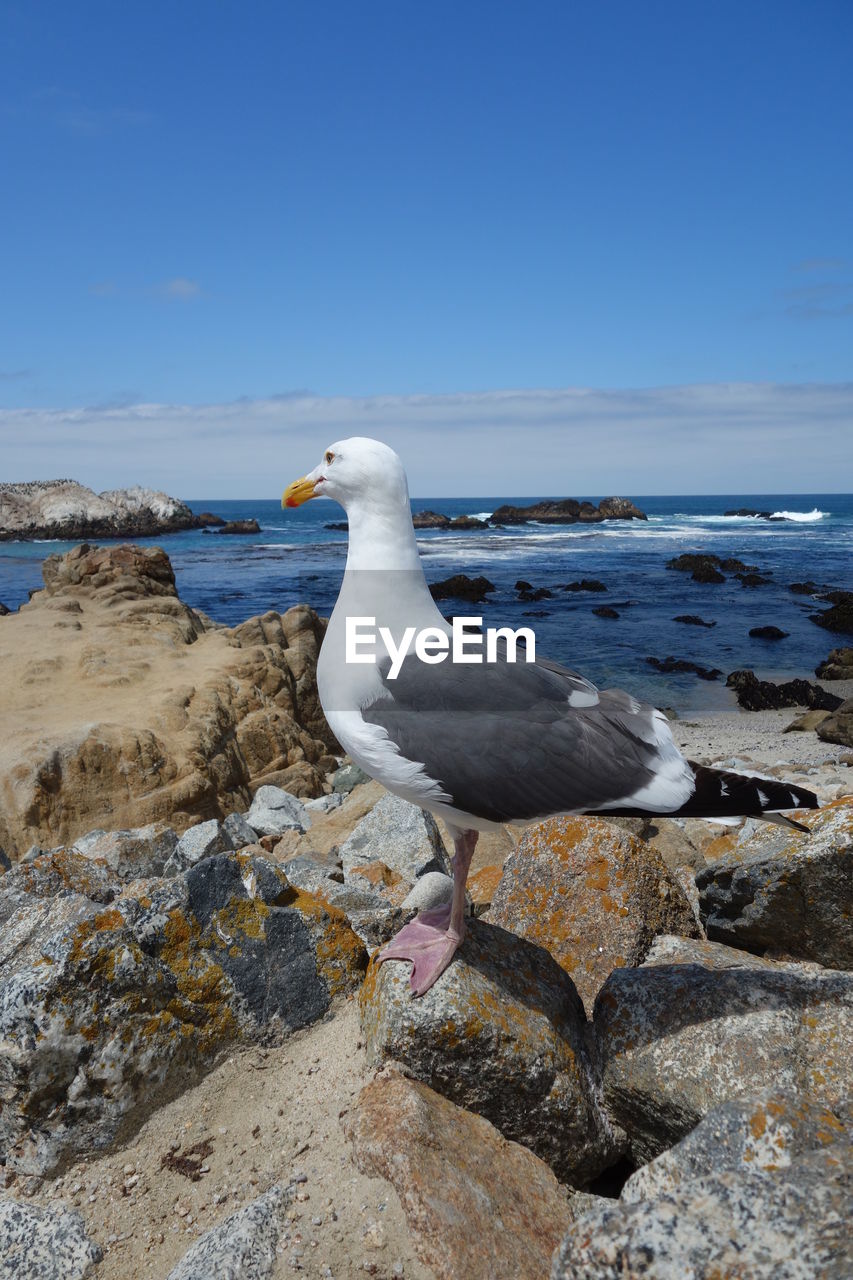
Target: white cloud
{"x":181,"y":288}
{"x":715,"y":438}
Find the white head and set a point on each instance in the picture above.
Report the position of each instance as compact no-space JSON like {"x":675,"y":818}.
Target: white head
{"x":354,"y":472}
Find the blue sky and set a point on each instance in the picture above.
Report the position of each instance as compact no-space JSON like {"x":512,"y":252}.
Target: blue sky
{"x":210,"y":205}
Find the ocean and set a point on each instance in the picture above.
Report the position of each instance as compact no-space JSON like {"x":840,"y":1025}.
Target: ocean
{"x":295,"y":558}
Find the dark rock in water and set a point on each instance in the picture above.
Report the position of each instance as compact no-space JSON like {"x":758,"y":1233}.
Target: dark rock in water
{"x":430,"y":520}
{"x":838,"y":727}
{"x":698,"y":1024}
{"x":339,"y":526}
{"x":753,"y":579}
{"x":461,"y":587}
{"x":4,"y":609}
{"x":749,"y":511}
{"x":709,"y":574}
{"x":207,"y":520}
{"x":840,"y":616}
{"x":691,"y":620}
{"x":671,"y":665}
{"x":769,"y":633}
{"x":780,"y":893}
{"x":804,"y":588}
{"x":605,"y":611}
{"x":762,"y":695}
{"x":502,"y":1033}
{"x":837,"y":666}
{"x":731,"y":565}
{"x":241,"y":526}
{"x":529,"y":594}
{"x":468,"y":522}
{"x":568,"y":511}
{"x":70,"y":511}
{"x":620,"y":509}
{"x":779,"y":1223}
{"x":701,"y":568}
{"x":585,"y":584}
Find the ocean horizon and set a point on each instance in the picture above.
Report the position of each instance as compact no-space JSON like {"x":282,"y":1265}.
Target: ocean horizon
{"x":297,"y":559}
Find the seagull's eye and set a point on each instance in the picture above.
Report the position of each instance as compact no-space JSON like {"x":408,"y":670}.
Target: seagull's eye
{"x":329,"y":457}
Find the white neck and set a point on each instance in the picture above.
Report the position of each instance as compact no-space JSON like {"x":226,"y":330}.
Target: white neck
{"x":382,"y":537}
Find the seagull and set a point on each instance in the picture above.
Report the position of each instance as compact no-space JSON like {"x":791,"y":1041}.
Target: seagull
{"x":480,"y":744}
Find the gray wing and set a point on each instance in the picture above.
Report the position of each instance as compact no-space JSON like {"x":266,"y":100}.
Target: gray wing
{"x":515,"y":742}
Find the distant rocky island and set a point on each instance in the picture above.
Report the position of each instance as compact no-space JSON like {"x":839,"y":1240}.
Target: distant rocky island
{"x":68,"y":510}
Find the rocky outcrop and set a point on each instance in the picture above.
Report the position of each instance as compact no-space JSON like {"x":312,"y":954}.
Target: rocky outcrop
{"x":568,"y":511}
{"x":240,"y":526}
{"x":780,"y":893}
{"x":840,"y":616}
{"x":585,"y":584}
{"x":594,"y":896}
{"x":67,"y":510}
{"x":692,"y":620}
{"x":477,"y":1205}
{"x":502,"y":1033}
{"x":768,"y":633}
{"x":762,"y":695}
{"x":700,"y":1023}
{"x":105,"y":1010}
{"x":121,"y":706}
{"x":670,"y":665}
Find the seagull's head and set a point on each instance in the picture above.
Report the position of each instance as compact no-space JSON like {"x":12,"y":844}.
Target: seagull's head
{"x":354,"y":471}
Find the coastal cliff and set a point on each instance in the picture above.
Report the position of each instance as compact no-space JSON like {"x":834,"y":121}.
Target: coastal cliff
{"x":65,"y":509}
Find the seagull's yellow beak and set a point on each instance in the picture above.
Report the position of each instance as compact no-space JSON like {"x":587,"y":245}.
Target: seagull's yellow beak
{"x":298,"y":492}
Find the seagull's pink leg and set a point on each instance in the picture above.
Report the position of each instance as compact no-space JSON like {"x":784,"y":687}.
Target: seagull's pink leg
{"x":431,"y":939}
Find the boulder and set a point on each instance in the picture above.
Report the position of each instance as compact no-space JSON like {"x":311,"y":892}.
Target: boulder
{"x":275,"y":811}
{"x":838,"y":665}
{"x":428,"y":891}
{"x":121,"y":706}
{"x":840,"y":616}
{"x":325,"y":804}
{"x":462,"y":587}
{"x":243,"y":1247}
{"x":202,"y":840}
{"x":398,"y":834}
{"x":501,"y":1033}
{"x":702,"y":568}
{"x":807,"y":722}
{"x":104,"y":1011}
{"x":51,"y":876}
{"x":769,"y":1131}
{"x":238,"y":831}
{"x":133,"y":854}
{"x":67,"y":510}
{"x":779,"y":892}
{"x":693,"y":620}
{"x":585,"y":584}
{"x":476,"y":1205}
{"x":700,"y":1023}
{"x":773,"y":1224}
{"x":590,"y":893}
{"x":240,"y":526}
{"x":620,"y":509}
{"x":838,"y":727}
{"x":343,"y":780}
{"x":670,"y":665}
{"x":768,"y":633}
{"x":45,"y":1243}
{"x":430,"y":520}
{"x":605,"y":611}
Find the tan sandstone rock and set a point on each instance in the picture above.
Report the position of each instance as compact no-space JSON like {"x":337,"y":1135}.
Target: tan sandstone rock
{"x":122,"y":706}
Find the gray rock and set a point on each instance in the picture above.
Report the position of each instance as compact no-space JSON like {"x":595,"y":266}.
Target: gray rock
{"x":238,"y":831}
{"x":699,"y":1023}
{"x":52,"y":876}
{"x":781,"y":1224}
{"x":132,"y":855}
{"x":784,"y":893}
{"x":766,"y":1132}
{"x":275,"y":811}
{"x":200,"y":841}
{"x":325,"y":804}
{"x":369,"y":914}
{"x":44,"y":1243}
{"x":104,"y":1011}
{"x":429,"y":890}
{"x":348,"y":777}
{"x":243,"y":1247}
{"x":502,"y":1033}
{"x":402,"y":836}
